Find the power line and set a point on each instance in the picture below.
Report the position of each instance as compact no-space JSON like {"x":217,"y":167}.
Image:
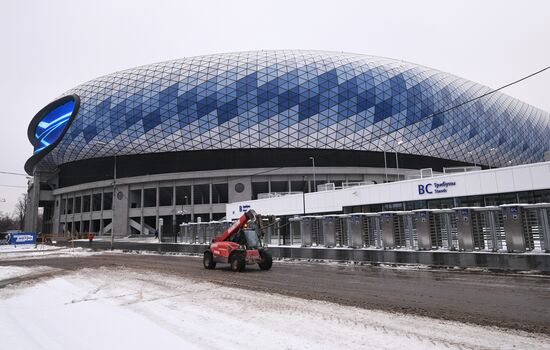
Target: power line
{"x":10,"y":173}
{"x":14,"y":186}
{"x":485,"y":94}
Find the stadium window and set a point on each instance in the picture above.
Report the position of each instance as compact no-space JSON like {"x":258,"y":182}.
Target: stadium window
{"x":86,"y":203}
{"x":165,"y":196}
{"x":107,"y":200}
{"x":135,"y":198}
{"x":220,"y":193}
{"x":150,"y":197}
{"x":96,"y":202}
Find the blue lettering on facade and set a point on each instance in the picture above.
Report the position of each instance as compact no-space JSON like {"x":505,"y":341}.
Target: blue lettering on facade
{"x":436,"y":187}
{"x":243,"y":208}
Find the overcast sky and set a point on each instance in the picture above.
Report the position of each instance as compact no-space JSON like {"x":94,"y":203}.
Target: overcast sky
{"x":48,"y":47}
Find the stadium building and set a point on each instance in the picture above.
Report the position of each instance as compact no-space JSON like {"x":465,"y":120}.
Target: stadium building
{"x":176,"y":141}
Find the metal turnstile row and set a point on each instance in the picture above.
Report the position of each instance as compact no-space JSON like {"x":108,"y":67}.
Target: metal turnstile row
{"x":202,"y":232}
{"x":510,"y":227}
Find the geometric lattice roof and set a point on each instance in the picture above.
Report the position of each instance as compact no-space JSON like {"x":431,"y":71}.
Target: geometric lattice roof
{"x":299,"y":99}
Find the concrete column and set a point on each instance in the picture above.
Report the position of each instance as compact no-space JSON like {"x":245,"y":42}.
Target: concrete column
{"x":174,"y":221}
{"x":31,"y":215}
{"x":56,"y":214}
{"x":101,"y":218}
{"x":245,"y":195}
{"x":142,"y":197}
{"x":120,"y":214}
{"x":81,"y":213}
{"x":73,"y":228}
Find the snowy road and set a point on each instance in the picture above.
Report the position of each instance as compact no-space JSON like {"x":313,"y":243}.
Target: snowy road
{"x":129,"y":309}
{"x":515,"y":301}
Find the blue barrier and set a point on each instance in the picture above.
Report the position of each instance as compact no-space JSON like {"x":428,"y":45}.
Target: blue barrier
{"x":22,"y":238}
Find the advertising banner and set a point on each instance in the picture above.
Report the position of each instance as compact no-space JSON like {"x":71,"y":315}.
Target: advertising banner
{"x":22,"y":238}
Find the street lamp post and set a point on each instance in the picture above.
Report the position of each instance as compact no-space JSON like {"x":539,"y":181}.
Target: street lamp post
{"x":491,"y":155}
{"x":181,"y":212}
{"x":396,"y":159}
{"x":304,"y":194}
{"x":473,"y":158}
{"x":385,"y":166}
{"x":101,"y":143}
{"x":314,"y":182}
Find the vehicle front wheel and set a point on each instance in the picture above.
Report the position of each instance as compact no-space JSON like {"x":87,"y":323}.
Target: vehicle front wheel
{"x":208,"y":261}
{"x":237,"y":263}
{"x":267,"y":261}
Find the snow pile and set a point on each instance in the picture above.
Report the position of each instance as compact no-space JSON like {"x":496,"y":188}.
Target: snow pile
{"x":7,"y":272}
{"x":21,"y":248}
{"x":129,"y":309}
{"x":10,"y":252}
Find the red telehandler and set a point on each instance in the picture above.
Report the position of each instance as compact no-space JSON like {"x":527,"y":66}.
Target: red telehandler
{"x":239,"y":246}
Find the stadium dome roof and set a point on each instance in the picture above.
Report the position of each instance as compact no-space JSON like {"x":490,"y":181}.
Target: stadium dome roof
{"x":287,"y":99}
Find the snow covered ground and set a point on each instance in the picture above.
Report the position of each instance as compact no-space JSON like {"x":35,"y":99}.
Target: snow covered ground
{"x":7,"y":272}
{"x":27,"y":251}
{"x":128,"y":309}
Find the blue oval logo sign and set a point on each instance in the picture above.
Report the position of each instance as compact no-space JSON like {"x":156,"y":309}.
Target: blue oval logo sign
{"x":51,"y":126}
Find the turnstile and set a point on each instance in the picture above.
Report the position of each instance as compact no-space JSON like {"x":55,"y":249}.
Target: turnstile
{"x":341,"y":230}
{"x":317,"y":230}
{"x":488,"y":230}
{"x":515,"y":228}
{"x":306,"y":225}
{"x":273,"y":233}
{"x":373,"y":231}
{"x":447,"y":227}
{"x":544,"y":225}
{"x":422,"y":219}
{"x":183,"y":232}
{"x":540,"y":229}
{"x":407,"y":230}
{"x":329,"y":230}
{"x":355,"y":227}
{"x":429,"y":229}
{"x":201,"y":232}
{"x":465,"y":229}
{"x":390,"y":226}
{"x":295,"y":234}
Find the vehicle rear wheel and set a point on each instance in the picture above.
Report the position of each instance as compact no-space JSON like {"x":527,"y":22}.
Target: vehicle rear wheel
{"x":267,"y":261}
{"x":208,"y":261}
{"x":237,"y":263}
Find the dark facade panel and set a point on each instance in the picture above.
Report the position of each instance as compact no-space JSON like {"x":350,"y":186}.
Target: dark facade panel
{"x":97,"y":169}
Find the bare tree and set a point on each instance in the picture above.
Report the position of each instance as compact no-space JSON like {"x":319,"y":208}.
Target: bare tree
{"x":7,"y":222}
{"x":21,"y":210}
